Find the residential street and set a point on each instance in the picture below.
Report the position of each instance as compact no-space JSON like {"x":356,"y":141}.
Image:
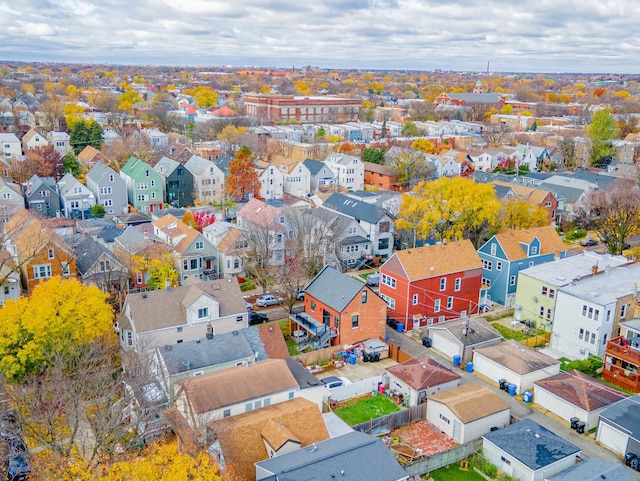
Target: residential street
{"x":518,"y":408}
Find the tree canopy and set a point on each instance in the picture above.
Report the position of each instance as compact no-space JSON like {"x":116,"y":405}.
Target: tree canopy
{"x":373,"y":154}
{"x":518,"y":214}
{"x":85,"y":133}
{"x":602,"y":131}
{"x":242,"y":179}
{"x":447,"y":208}
{"x":58,"y":318}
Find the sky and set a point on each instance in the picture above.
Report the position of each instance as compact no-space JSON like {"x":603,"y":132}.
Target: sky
{"x":462,"y":35}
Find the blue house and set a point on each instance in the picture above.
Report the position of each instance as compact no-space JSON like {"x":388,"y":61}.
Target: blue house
{"x":512,"y":250}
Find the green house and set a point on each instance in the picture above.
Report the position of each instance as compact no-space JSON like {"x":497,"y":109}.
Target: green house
{"x":145,"y":186}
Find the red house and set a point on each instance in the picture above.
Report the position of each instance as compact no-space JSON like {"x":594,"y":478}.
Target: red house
{"x":431,"y":284}
{"x":340,"y":310}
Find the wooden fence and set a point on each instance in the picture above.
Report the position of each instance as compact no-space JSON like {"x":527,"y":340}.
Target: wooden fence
{"x":442,"y":459}
{"x":534,"y":341}
{"x":393,"y":421}
{"x":398,"y":354}
{"x":317,"y":357}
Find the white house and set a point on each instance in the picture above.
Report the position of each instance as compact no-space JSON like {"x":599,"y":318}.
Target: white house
{"x":348,"y":171}
{"x":75,"y":198}
{"x":588,"y":311}
{"x":271,"y":181}
{"x":229,"y":243}
{"x":10,"y":147}
{"x":60,"y":142}
{"x":514,"y":362}
{"x":208,"y":179}
{"x":158,"y":140}
{"x":467,"y":412}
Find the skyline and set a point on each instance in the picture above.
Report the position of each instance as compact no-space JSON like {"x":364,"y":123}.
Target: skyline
{"x":585,"y":36}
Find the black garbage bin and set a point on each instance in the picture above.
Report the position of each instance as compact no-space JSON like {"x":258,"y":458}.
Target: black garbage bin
{"x":426,"y":341}
{"x":574,"y":423}
{"x":503,"y":384}
{"x":628,"y":458}
{"x":635,"y":464}
{"x":580,"y":427}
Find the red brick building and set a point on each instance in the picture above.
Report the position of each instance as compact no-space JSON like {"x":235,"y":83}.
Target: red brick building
{"x":378,"y":176}
{"x":293,"y":108}
{"x":431,"y":284}
{"x":340,"y":310}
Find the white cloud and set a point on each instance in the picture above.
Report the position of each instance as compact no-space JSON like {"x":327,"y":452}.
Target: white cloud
{"x":529,"y":35}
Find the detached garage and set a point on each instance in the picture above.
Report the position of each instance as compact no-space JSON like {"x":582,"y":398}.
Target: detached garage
{"x":515,"y":362}
{"x":619,"y":426}
{"x":461,"y":336}
{"x":573,"y":394}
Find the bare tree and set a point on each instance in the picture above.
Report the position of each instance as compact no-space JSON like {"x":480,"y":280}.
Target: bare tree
{"x":614,"y":214}
{"x":410,"y":167}
{"x":257,"y":256}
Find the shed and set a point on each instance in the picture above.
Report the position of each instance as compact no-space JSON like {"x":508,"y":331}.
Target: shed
{"x":461,"y":336}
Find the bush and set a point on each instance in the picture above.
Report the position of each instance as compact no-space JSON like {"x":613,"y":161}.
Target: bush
{"x":248,"y":285}
{"x":588,"y":366}
{"x":98,"y":211}
{"x":575,"y":234}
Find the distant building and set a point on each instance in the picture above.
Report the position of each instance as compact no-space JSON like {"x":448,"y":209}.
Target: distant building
{"x":279,"y":108}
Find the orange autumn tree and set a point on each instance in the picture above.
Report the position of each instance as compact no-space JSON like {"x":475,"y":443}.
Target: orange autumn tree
{"x":242,"y":179}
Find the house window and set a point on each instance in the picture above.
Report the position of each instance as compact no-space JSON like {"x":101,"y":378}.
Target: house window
{"x":450,"y":302}
{"x":194,"y":264}
{"x":388,"y":281}
{"x":185,"y":264}
{"x":486,"y":282}
{"x":266,"y":402}
{"x":354,"y":321}
{"x":512,"y":281}
{"x":604,"y":339}
{"x":129,"y":338}
{"x":436,"y":305}
{"x":199,"y":245}
{"x":623,"y":310}
{"x":258,"y":404}
{"x":178,"y":329}
{"x":383,"y":244}
{"x":584,"y":310}
{"x":226,"y":413}
{"x":248,"y":407}
{"x":443,"y":283}
{"x":580,"y":333}
{"x":336,"y":323}
{"x":544,"y":291}
{"x":42,"y":271}
{"x":50,"y":253}
{"x":541,"y":311}
{"x":552,"y":293}
{"x":66,"y":270}
{"x":593,"y":338}
{"x":487,"y":265}
{"x":105,"y":266}
{"x":313,"y":306}
{"x":138,"y":278}
{"x":203,"y":312}
{"x":391,"y":302}
{"x":291,"y":395}
{"x":493,"y":249}
{"x":364,"y":296}
{"x":534,"y":250}
{"x":498,"y":265}
{"x":457,"y":284}
{"x":415,"y":299}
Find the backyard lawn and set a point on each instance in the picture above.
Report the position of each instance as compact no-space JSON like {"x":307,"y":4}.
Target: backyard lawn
{"x":366,"y":409}
{"x":509,"y":333}
{"x":454,"y":473}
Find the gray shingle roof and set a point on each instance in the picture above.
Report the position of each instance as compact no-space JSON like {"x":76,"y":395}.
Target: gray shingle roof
{"x":532,"y":444}
{"x":333,"y":288}
{"x":594,"y":469}
{"x":359,"y":456}
{"x":357,"y":209}
{"x":314,"y":166}
{"x":625,"y":415}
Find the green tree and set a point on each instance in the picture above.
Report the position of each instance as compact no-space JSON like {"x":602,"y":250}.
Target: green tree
{"x":373,"y":154}
{"x":447,"y":208}
{"x":70,"y":164}
{"x":602,"y":131}
{"x":410,"y":130}
{"x":57,"y":319}
{"x":321,"y":133}
{"x":98,"y":211}
{"x":83,"y":134}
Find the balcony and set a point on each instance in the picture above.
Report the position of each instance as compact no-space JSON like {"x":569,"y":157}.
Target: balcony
{"x":319,"y":334}
{"x":619,"y":349}
{"x":621,"y":365}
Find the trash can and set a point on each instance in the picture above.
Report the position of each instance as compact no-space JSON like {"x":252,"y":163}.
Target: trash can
{"x":426,"y":341}
{"x":456,"y":360}
{"x":400,"y":327}
{"x":513,"y":389}
{"x":503,"y":384}
{"x":574,"y":422}
{"x":470,"y":366}
{"x":580,"y":427}
{"x":352,"y":358}
{"x":526,"y":396}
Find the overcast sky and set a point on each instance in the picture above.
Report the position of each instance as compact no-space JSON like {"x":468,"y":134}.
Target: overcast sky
{"x":513,"y":35}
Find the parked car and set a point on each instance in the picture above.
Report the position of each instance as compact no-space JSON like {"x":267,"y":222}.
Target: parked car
{"x":335,"y":381}
{"x":300,"y":296}
{"x":257,"y":318}
{"x":268,"y":300}
{"x":248,"y":305}
{"x":588,"y":242}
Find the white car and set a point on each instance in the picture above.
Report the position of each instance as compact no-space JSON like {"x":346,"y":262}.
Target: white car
{"x":335,"y":381}
{"x":268,"y":300}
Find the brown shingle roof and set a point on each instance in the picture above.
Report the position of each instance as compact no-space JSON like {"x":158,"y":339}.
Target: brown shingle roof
{"x":259,"y":213}
{"x":227,"y":243}
{"x":161,"y":308}
{"x":581,"y":390}
{"x":273,"y":340}
{"x":378,"y":169}
{"x":423,"y":373}
{"x":437,"y":260}
{"x":240,"y":437}
{"x":88,"y":155}
{"x":511,"y":241}
{"x":219,"y":389}
{"x":470,"y":402}
{"x":527,"y":194}
{"x":277,"y":434}
{"x":517,"y":357}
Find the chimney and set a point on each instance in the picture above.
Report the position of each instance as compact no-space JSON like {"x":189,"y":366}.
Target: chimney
{"x":146,"y":234}
{"x":594,"y":269}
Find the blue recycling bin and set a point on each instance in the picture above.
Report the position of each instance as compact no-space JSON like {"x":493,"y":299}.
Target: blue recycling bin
{"x":527,"y":396}
{"x":353,"y":358}
{"x":470,"y":366}
{"x":456,"y":360}
{"x":400,"y":326}
{"x":513,"y":389}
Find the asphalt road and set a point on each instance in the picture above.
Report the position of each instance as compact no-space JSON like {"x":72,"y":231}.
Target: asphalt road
{"x":518,"y":409}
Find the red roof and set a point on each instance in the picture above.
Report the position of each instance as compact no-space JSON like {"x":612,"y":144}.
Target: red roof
{"x":224,"y":111}
{"x":191,"y":110}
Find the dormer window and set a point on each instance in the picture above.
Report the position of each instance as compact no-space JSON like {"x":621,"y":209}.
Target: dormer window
{"x":534,"y":250}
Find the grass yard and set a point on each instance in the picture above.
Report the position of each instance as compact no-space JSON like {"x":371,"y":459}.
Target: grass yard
{"x":366,"y":409}
{"x":509,"y":333}
{"x":454,"y":473}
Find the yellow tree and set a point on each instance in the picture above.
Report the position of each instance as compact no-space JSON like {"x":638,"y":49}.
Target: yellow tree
{"x":518,"y":214}
{"x":127,"y":100}
{"x":423,"y":145}
{"x":59,"y":317}
{"x":203,"y":95}
{"x":160,"y":269}
{"x":448,"y":208}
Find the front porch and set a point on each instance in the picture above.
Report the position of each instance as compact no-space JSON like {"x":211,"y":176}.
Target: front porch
{"x":318,"y":336}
